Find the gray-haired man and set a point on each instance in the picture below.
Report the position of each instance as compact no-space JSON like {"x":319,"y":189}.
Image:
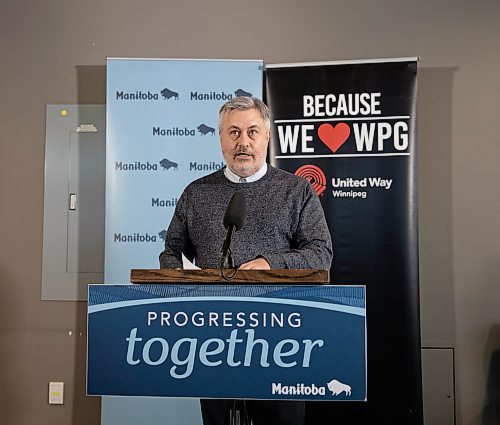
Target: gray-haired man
{"x":285,"y":227}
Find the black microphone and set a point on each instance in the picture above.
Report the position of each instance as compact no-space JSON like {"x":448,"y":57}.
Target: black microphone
{"x":233,"y":220}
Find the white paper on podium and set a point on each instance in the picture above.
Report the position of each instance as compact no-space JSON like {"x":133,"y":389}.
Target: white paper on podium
{"x":188,"y":265}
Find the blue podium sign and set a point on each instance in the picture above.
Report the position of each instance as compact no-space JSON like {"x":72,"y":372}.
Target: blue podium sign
{"x":224,"y":341}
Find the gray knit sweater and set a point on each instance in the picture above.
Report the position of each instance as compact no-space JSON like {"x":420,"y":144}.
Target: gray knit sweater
{"x":284,"y":223}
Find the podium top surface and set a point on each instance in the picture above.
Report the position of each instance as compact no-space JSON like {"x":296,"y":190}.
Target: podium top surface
{"x":210,"y":276}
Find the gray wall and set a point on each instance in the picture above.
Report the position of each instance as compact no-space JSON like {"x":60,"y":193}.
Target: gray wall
{"x":54,"y":52}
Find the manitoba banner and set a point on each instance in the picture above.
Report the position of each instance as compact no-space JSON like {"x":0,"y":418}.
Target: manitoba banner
{"x":162,"y":133}
{"x":162,"y":120}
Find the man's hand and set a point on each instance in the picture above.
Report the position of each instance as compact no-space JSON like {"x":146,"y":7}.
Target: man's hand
{"x":257,"y":264}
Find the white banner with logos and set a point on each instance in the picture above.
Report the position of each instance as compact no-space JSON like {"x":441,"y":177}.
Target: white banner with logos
{"x":162,"y":133}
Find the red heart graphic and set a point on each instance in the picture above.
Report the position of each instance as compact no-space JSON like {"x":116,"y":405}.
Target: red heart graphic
{"x":334,"y":137}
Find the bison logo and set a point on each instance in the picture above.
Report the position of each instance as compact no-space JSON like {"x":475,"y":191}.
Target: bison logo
{"x":163,"y":235}
{"x":241,"y":92}
{"x":167,"y":164}
{"x":167,"y":94}
{"x":205,"y":129}
{"x":337,"y":387}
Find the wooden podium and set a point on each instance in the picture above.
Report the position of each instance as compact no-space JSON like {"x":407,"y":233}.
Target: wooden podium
{"x":241,"y":277}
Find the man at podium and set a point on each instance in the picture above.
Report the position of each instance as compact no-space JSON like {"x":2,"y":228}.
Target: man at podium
{"x":283,"y":227}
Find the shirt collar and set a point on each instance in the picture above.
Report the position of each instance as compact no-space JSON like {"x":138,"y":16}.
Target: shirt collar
{"x":253,"y":178}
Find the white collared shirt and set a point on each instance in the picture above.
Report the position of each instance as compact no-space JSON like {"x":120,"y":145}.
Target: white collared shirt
{"x":253,"y":178}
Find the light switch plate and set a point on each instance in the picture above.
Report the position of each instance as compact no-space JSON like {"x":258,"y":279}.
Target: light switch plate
{"x":56,"y":392}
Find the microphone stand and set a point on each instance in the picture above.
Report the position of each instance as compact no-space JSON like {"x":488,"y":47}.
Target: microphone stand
{"x":238,"y":413}
{"x":225,"y":266}
{"x":226,"y":261}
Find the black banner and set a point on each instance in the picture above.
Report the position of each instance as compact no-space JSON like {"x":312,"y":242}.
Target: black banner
{"x":350,"y":129}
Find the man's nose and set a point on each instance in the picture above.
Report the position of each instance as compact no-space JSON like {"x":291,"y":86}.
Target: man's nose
{"x":244,"y":139}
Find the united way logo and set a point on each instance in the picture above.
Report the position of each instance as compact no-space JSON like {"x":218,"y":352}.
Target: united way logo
{"x":314,"y":175}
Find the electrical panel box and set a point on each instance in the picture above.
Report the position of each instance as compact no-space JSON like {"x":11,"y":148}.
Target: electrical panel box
{"x":74,"y":200}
